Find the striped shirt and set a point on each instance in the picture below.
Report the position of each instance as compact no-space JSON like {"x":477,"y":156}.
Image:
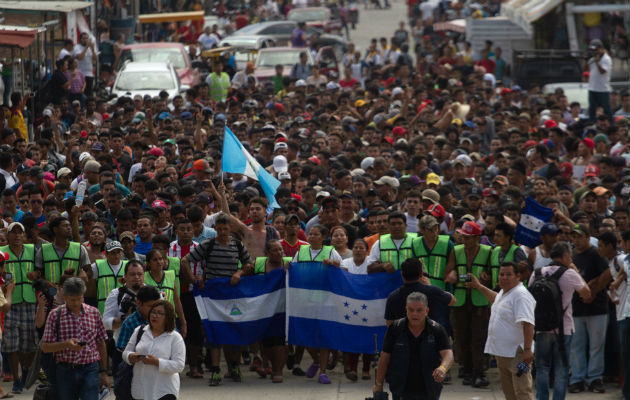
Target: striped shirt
{"x":179,"y":251}
{"x":220,"y":261}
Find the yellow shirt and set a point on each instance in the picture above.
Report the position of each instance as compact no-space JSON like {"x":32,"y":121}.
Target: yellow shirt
{"x":16,"y":120}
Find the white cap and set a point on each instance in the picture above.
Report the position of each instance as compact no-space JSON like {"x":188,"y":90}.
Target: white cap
{"x":467,"y":161}
{"x":83,"y":156}
{"x":396,"y":91}
{"x":367,"y":163}
{"x":282,"y":176}
{"x":332,"y":85}
{"x":280,"y":164}
{"x":300,"y":83}
{"x":47,"y":112}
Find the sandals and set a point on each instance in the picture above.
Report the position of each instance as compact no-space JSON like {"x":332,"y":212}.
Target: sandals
{"x":351,"y":375}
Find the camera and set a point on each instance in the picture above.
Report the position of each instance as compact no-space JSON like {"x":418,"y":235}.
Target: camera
{"x":464,"y":278}
{"x":127,"y":304}
{"x":48,"y":291}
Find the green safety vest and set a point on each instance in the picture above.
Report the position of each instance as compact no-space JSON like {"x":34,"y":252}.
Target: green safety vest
{"x":19,"y":267}
{"x":495,"y":264}
{"x":219,"y":86}
{"x":304,"y":253}
{"x":167,"y":285}
{"x":435,"y":260}
{"x":479,"y":265}
{"x":260,"y":263}
{"x":107,"y":281}
{"x":174,"y":265}
{"x":53,"y":267}
{"x":396,"y":256}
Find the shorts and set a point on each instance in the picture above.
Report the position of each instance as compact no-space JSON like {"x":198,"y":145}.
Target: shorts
{"x":20,"y":333}
{"x":272,"y":341}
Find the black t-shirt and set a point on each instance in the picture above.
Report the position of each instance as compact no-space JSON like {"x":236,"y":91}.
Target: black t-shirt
{"x":590,"y":265}
{"x":397,"y":301}
{"x":414,"y":384}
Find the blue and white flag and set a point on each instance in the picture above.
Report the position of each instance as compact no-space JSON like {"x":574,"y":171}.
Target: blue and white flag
{"x":331,"y":308}
{"x":237,"y":160}
{"x":533,"y":217}
{"x":243,"y":313}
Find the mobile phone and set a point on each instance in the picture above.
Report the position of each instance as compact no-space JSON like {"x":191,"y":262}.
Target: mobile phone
{"x":82,"y":343}
{"x":8,"y":277}
{"x":141,"y":355}
{"x":464,"y":278}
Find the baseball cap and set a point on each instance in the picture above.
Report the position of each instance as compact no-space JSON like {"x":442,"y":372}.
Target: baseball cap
{"x":283,"y":176}
{"x":431,"y":195}
{"x":470,"y":228}
{"x":159,"y":204}
{"x":601,"y":191}
{"x":387,"y":180}
{"x":15,"y":224}
{"x":63,"y":172}
{"x":98,"y":146}
{"x":501,"y":180}
{"x":279,"y":146}
{"x":330,"y":201}
{"x":433,"y":179}
{"x":549,"y":229}
{"x":474,"y":191}
{"x":127,"y":235}
{"x":22,"y":168}
{"x":591,"y":170}
{"x":436,"y":210}
{"x":113,"y":245}
{"x":595,"y":44}
{"x":367,"y":162}
{"x":588,"y":143}
{"x":202,"y":165}
{"x":292,"y":217}
{"x":427,"y":221}
{"x":581,"y":229}
{"x":36,"y":171}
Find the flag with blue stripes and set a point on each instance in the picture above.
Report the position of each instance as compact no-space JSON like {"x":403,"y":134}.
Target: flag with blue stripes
{"x":244,"y":313}
{"x":237,"y":160}
{"x":330,"y":308}
{"x":533,"y":217}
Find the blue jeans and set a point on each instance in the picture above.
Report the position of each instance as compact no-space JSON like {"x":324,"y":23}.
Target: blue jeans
{"x":589,"y":337}
{"x":74,"y":384}
{"x":624,"y":334}
{"x":547,"y":354}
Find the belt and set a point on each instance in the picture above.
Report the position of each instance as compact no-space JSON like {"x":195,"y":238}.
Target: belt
{"x":73,"y":365}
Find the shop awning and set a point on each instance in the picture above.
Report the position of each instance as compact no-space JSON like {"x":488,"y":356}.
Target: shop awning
{"x":14,"y":37}
{"x":171,"y":17}
{"x":456,"y":25}
{"x":526,"y":12}
{"x":57,"y":6}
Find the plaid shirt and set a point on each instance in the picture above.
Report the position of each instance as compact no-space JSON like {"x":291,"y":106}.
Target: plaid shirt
{"x":128,"y":326}
{"x":85,"y":327}
{"x":176,"y":250}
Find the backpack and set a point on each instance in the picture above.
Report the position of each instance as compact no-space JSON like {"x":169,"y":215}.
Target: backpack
{"x":549,"y":313}
{"x":124,"y":375}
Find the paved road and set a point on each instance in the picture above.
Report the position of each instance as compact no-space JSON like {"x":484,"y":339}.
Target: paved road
{"x":375,"y":23}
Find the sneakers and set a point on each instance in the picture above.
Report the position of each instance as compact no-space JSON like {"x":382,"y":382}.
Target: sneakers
{"x":297,"y":371}
{"x":17,"y":387}
{"x":312,"y":370}
{"x":576,"y":387}
{"x":324,"y":379}
{"x":597,"y":386}
{"x":480,"y":381}
{"x":215,"y":379}
{"x":235,"y":374}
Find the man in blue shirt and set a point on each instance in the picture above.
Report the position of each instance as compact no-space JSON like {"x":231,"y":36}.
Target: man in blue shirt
{"x":147,"y":295}
{"x":145,"y":234}
{"x":9,"y":205}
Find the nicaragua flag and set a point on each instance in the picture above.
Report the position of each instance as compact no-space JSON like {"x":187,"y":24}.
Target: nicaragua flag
{"x":243,"y":313}
{"x":330,"y":308}
{"x":237,"y":160}
{"x":533,"y":217}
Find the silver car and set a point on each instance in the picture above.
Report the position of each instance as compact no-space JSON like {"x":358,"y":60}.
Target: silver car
{"x":278,"y":31}
{"x":147,"y":78}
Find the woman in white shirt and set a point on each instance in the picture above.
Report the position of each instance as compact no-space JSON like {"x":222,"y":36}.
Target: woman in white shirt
{"x":357,"y":264}
{"x":158,"y":357}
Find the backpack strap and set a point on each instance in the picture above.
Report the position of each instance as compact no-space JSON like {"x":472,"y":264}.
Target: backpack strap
{"x":563,"y":351}
{"x":140,"y":333}
{"x":58,"y":322}
{"x":559,"y":272}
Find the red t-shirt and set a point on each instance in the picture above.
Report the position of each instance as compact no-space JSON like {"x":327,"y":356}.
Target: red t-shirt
{"x":291,"y":251}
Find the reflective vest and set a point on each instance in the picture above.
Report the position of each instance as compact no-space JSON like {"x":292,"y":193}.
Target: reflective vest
{"x":390,"y":253}
{"x":174,"y":265}
{"x":260,"y":264}
{"x":107,"y":281}
{"x":495,"y":264}
{"x":435,"y":260}
{"x":19,"y":267}
{"x":219,"y":86}
{"x":304,"y":253}
{"x":167,"y":285}
{"x":479,"y":265}
{"x":53,"y":267}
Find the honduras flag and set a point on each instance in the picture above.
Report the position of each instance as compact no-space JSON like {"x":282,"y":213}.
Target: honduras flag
{"x":237,"y":160}
{"x":330,"y":308}
{"x":533,"y":217}
{"x":243,"y":313}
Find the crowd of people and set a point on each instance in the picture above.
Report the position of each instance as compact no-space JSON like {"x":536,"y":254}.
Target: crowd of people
{"x":416,"y":160}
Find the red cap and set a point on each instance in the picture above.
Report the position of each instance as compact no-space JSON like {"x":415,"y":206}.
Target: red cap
{"x":279,"y":107}
{"x":159,"y":204}
{"x":591,"y":170}
{"x":281,"y":139}
{"x":436,"y":210}
{"x":528,"y":144}
{"x":83,"y":134}
{"x":487,"y":192}
{"x":506,"y":91}
{"x":589,"y":143}
{"x":202,"y":165}
{"x":4,"y":256}
{"x":426,"y":37}
{"x":399,"y":131}
{"x":550,"y":123}
{"x":470,"y":229}
{"x":156,"y":151}
{"x":566,"y":169}
{"x":105,"y":116}
{"x":388,"y":139}
{"x":315,"y":160}
{"x":586,"y":74}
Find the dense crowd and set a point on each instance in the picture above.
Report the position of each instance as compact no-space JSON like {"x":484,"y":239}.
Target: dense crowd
{"x":418,"y":150}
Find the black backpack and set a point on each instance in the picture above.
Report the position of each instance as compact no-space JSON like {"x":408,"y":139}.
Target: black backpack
{"x":549,"y":313}
{"x":124,"y":375}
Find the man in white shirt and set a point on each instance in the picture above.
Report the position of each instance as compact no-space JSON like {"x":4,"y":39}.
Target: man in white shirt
{"x":241,"y":78}
{"x":510,"y":330}
{"x":86,"y":57}
{"x":66,"y":50}
{"x":207,"y":39}
{"x":599,"y":79}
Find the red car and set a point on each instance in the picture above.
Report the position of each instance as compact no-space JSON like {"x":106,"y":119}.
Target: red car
{"x":161,"y":52}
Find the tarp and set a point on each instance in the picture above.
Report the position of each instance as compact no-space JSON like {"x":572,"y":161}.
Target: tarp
{"x":17,"y":37}
{"x":526,"y":12}
{"x":58,"y":6}
{"x":456,"y":25}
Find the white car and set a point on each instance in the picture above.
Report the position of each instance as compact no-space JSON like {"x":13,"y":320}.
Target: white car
{"x":575,"y":91}
{"x":147,"y":78}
